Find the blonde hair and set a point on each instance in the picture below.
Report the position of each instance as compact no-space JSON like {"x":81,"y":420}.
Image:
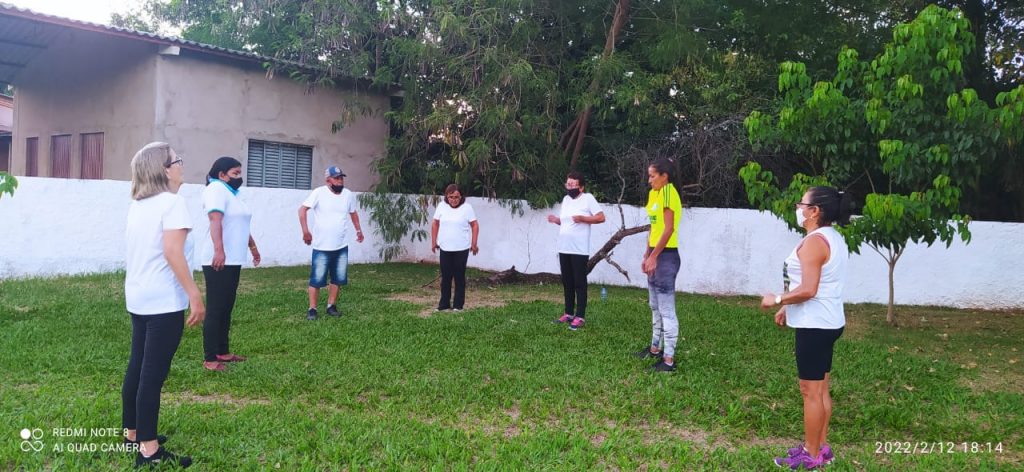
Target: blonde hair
{"x":149,"y":170}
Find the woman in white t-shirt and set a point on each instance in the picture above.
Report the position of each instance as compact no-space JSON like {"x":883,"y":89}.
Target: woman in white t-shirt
{"x":579,"y":211}
{"x":224,"y":252}
{"x":814,"y":276}
{"x":158,"y":288}
{"x":454,"y":231}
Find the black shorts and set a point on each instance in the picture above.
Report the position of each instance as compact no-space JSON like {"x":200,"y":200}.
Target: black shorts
{"x":814,"y":352}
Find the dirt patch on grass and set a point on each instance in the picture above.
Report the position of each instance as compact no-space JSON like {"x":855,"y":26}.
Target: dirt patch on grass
{"x":223,"y":398}
{"x":476,"y":297}
{"x":706,"y":440}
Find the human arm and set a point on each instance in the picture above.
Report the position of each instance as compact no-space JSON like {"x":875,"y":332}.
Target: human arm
{"x":174,"y":253}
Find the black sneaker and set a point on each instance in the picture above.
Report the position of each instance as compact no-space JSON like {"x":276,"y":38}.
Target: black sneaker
{"x":160,"y":439}
{"x":162,"y":457}
{"x":311,"y":314}
{"x":333,"y":310}
{"x":647,"y":354}
{"x":661,"y":366}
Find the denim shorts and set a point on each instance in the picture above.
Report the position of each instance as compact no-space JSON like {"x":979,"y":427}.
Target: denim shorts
{"x":334,"y":262}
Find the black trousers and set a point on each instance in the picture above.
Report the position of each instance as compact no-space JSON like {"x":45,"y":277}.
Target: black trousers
{"x":574,"y":282}
{"x":453,"y":267}
{"x":155,"y":339}
{"x":221,"y":289}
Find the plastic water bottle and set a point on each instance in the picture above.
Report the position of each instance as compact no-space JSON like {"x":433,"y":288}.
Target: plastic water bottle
{"x":604,"y":294}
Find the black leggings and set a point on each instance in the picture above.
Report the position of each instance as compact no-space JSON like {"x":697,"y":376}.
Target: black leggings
{"x":453,"y":266}
{"x":221,"y":288}
{"x":574,"y":282}
{"x":155,"y":339}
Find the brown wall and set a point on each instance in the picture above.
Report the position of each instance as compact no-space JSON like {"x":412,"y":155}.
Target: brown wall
{"x":87,"y":82}
{"x":204,"y":106}
{"x":208,"y":108}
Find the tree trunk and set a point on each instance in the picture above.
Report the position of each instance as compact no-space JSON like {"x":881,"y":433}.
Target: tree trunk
{"x":894,"y":257}
{"x":890,"y":315}
{"x":572,"y":139}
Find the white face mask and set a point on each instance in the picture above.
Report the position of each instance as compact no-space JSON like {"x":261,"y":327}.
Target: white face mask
{"x":800,"y":218}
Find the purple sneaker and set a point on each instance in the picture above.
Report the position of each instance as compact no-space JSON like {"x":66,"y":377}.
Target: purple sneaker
{"x":826,"y":452}
{"x":801,"y":459}
{"x":577,"y":323}
{"x":565,"y":318}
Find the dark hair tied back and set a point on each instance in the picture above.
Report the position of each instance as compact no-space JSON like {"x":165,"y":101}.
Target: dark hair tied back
{"x":665,"y":165}
{"x":834,"y":205}
{"x":223,"y":164}
{"x":577,"y":176}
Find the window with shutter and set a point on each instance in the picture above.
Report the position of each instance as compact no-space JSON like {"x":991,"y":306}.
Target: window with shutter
{"x":279,"y":165}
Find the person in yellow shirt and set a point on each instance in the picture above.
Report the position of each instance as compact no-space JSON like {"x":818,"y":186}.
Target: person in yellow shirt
{"x":661,"y":264}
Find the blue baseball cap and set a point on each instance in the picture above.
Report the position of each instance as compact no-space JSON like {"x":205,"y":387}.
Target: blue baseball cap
{"x":333,"y":171}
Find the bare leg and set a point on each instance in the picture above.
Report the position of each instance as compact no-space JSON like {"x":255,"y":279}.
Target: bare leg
{"x":826,"y":400}
{"x":332,"y":294}
{"x":814,"y":414}
{"x":314,"y":294}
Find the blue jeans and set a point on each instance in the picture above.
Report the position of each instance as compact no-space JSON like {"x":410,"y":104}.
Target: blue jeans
{"x":335,"y":262}
{"x":661,"y":290}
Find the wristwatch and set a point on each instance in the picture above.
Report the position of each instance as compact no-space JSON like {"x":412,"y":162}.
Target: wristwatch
{"x":778,"y":299}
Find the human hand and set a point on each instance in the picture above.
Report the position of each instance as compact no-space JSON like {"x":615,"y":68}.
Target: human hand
{"x":197,"y":311}
{"x":554,"y":219}
{"x":218,"y":259}
{"x":307,"y":237}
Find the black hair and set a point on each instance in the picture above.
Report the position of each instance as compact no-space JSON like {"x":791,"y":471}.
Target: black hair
{"x":223,"y":164}
{"x":665,"y":165}
{"x":450,"y":189}
{"x":577,"y":176}
{"x":834,"y":205}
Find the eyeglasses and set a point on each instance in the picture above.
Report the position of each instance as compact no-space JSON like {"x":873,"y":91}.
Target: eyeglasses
{"x":454,"y":197}
{"x":800,"y":204}
{"x":176,"y":161}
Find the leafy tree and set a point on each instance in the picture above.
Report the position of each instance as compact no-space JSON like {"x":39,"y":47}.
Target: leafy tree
{"x":902,"y":129}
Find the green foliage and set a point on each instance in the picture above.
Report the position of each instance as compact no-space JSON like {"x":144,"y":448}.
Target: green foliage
{"x":904,"y":121}
{"x":394,"y":216}
{"x":7,"y":184}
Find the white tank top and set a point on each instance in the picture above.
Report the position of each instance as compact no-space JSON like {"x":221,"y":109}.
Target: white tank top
{"x":825,"y":310}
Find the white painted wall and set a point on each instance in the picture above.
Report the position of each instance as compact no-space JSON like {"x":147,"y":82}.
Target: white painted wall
{"x":57,"y":226}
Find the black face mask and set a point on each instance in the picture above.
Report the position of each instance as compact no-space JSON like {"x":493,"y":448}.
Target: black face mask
{"x":337,"y":188}
{"x":573,"y":192}
{"x":235,"y":182}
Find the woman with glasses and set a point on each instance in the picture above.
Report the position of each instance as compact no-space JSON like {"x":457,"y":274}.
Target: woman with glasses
{"x":579,"y":211}
{"x":158,"y":288}
{"x":454,"y":231}
{"x":816,"y":270}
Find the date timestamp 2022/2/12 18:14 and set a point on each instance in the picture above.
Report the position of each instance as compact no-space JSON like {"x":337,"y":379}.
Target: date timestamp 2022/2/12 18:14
{"x":938,"y":447}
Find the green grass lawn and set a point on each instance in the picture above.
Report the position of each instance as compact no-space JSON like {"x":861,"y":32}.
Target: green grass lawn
{"x":499,"y":387}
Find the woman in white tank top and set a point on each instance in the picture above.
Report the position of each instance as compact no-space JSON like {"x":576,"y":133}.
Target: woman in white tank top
{"x":814,"y":275}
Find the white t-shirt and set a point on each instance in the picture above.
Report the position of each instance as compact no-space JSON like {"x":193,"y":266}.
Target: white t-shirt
{"x":150,"y":287}
{"x":219,"y":196}
{"x":330,"y":217}
{"x":454,"y":233}
{"x":574,"y":238}
{"x":825,"y":310}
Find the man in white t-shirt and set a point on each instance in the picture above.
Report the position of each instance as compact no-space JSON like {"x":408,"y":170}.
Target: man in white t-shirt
{"x":329,"y":238}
